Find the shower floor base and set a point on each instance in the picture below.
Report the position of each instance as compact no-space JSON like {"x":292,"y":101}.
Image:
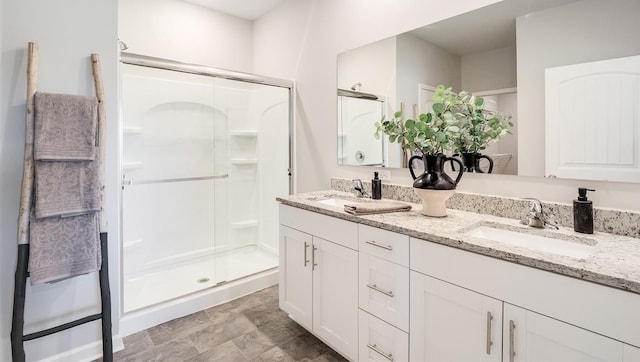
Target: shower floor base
{"x":185,"y":278}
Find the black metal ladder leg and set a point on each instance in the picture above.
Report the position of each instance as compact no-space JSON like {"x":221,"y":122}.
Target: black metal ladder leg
{"x":20,"y":286}
{"x":17,"y":330}
{"x":105,"y":299}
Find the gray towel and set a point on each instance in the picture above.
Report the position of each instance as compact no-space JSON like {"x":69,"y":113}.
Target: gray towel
{"x":64,"y":127}
{"x":60,"y":248}
{"x":367,"y":208}
{"x":68,"y":187}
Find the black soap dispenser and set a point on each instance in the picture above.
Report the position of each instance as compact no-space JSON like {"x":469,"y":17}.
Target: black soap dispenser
{"x":583,"y":212}
{"x":376,"y":187}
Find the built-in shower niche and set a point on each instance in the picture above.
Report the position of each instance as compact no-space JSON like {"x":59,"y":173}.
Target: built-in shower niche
{"x":193,"y":193}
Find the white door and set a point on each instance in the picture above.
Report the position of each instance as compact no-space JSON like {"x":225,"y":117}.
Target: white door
{"x":532,"y":337}
{"x":295,"y":275}
{"x":335,"y":296}
{"x":450,"y":323}
{"x":592,"y":127}
{"x":425,"y":96}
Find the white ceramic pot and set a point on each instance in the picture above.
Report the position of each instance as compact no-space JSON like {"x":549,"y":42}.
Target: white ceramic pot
{"x":434,"y":202}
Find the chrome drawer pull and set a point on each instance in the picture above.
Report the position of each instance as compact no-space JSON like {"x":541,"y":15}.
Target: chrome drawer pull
{"x":375,"y":287}
{"x":489,"y":342}
{"x":512,"y":347}
{"x":388,"y":247}
{"x":306,"y":246}
{"x":374,"y":348}
{"x":313,"y":258}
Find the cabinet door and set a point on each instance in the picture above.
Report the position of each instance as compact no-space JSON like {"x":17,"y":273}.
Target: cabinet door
{"x":532,"y":337}
{"x":335,"y":296}
{"x":295,"y":275}
{"x":450,"y":323}
{"x":631,"y":353}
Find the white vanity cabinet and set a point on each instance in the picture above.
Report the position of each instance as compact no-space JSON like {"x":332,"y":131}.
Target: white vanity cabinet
{"x":377,"y":295}
{"x":319,"y":276}
{"x":449,"y":323}
{"x":458,"y":314}
{"x":532,"y":337}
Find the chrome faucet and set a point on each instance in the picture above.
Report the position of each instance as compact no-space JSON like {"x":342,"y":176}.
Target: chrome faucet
{"x":359,"y":188}
{"x":535,"y":218}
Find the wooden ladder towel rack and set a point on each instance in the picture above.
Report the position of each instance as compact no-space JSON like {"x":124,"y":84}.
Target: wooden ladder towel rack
{"x":26,"y":202}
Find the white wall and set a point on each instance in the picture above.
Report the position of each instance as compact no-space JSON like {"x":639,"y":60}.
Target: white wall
{"x":490,"y":70}
{"x":373,"y":66}
{"x":548,"y":39}
{"x":422,"y":62}
{"x":310,"y":35}
{"x":68,"y":32}
{"x":177,"y":30}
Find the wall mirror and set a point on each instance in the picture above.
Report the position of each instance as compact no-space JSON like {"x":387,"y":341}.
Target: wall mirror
{"x":509,"y":53}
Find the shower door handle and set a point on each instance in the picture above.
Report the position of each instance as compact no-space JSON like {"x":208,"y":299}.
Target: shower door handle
{"x":126,"y":182}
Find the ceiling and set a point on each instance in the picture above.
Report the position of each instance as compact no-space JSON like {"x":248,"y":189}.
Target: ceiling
{"x":487,"y":28}
{"x":245,"y":9}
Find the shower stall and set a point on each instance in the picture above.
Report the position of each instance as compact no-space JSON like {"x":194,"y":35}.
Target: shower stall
{"x":205,"y":152}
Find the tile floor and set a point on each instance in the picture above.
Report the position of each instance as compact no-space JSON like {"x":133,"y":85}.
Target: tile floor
{"x":251,"y":328}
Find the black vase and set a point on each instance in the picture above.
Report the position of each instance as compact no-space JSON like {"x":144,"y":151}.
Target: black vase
{"x":434,"y":177}
{"x":471,"y":162}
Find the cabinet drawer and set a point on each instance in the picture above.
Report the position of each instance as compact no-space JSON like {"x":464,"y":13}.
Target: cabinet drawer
{"x":381,"y":342}
{"x":384,"y":244}
{"x":384,"y":290}
{"x":339,"y":231}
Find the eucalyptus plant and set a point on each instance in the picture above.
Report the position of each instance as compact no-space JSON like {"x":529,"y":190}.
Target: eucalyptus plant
{"x":478,"y":127}
{"x":432,"y":133}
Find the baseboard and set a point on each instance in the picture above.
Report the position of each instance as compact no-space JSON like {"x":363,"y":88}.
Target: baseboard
{"x":140,"y":320}
{"x":86,"y":353}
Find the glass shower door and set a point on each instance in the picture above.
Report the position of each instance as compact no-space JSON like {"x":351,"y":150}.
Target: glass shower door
{"x":175,"y":182}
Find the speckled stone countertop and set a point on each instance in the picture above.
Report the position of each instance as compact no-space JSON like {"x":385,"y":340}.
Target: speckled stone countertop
{"x":614,"y":260}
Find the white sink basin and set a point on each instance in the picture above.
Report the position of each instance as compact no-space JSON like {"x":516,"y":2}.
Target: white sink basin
{"x":546,"y":244}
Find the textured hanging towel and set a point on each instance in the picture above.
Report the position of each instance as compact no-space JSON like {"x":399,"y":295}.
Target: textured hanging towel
{"x":68,"y":187}
{"x":60,"y":248}
{"x":367,"y":208}
{"x":64,"y":127}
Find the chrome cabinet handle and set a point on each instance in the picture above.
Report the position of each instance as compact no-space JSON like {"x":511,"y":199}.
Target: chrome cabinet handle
{"x":306,"y":246}
{"x":489,"y":342}
{"x":375,"y":287}
{"x":375,"y":348}
{"x":512,"y":348}
{"x":388,"y":247}
{"x":313,"y":258}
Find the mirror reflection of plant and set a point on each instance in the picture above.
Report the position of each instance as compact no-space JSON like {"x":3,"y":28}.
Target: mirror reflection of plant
{"x":458,"y":122}
{"x":432,"y":133}
{"x":478,"y":127}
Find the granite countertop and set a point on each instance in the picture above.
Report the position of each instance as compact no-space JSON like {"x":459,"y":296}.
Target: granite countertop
{"x":614,"y":260}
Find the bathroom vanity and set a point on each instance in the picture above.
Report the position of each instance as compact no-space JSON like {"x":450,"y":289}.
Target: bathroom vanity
{"x":405,"y":287}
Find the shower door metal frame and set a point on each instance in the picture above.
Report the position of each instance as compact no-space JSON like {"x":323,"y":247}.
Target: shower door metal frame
{"x":166,"y":64}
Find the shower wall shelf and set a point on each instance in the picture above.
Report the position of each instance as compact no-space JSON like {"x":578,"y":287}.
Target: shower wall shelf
{"x":131,"y":165}
{"x":131,"y":243}
{"x":132,"y":130}
{"x":244,"y":161}
{"x":249,"y":223}
{"x":244,"y":133}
